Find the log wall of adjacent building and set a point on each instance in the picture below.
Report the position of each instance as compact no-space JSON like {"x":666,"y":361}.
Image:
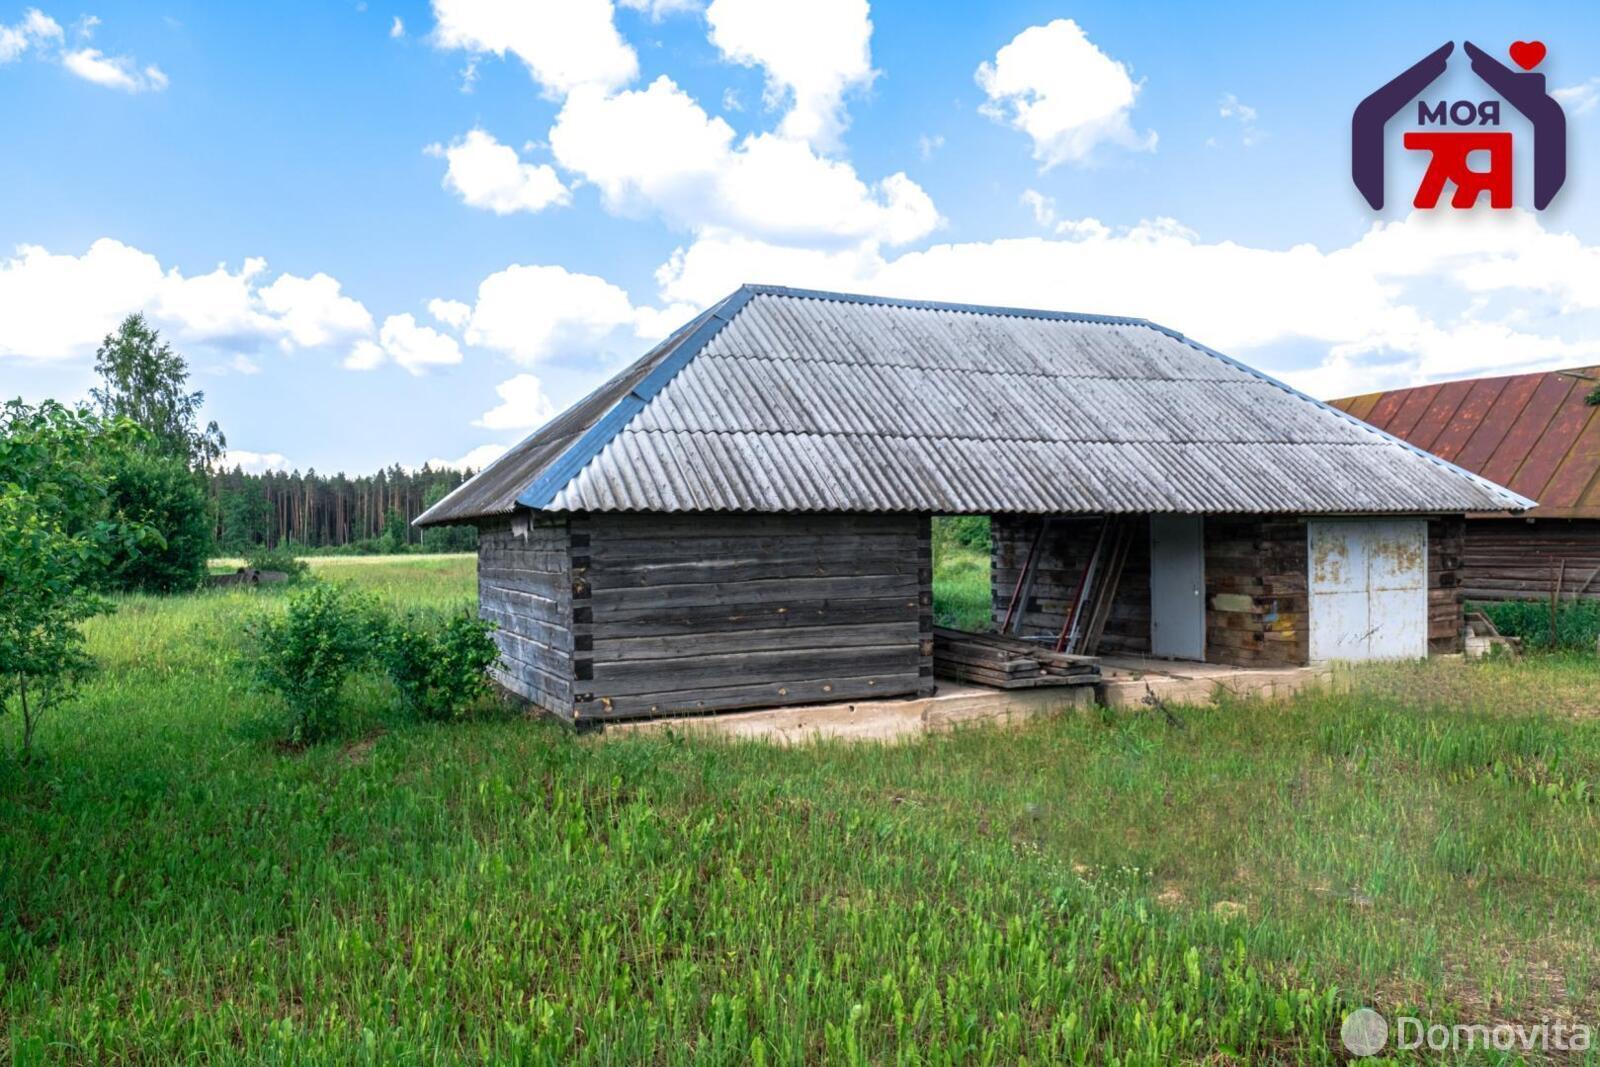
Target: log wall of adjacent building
{"x":525,"y":589}
{"x":695,"y":613}
{"x":1519,"y":559}
{"x":1062,"y":556}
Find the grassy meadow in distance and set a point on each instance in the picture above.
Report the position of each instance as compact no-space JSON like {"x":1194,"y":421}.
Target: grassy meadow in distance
{"x":1093,"y":888}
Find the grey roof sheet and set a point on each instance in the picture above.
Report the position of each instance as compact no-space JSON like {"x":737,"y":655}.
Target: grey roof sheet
{"x":786,"y":400}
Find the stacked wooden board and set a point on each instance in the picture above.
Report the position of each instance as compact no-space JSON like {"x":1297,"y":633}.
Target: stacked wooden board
{"x":1006,"y":662}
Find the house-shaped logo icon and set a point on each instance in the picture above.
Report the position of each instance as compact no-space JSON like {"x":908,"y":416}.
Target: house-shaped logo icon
{"x":1464,"y":127}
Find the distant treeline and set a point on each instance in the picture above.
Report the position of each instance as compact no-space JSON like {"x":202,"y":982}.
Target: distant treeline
{"x":371,"y":513}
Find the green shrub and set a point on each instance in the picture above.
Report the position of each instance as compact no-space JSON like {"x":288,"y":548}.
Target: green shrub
{"x":450,"y":539}
{"x":308,"y":652}
{"x":1577,"y":622}
{"x":280,"y":558}
{"x":961,"y":532}
{"x":162,"y":494}
{"x":439,"y":669}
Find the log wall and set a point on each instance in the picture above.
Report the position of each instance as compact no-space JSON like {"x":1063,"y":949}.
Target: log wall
{"x":1446,"y":539}
{"x":525,"y":588}
{"x":675,"y":614}
{"x":1515,"y":559}
{"x":1257,"y":600}
{"x":1062,"y":557}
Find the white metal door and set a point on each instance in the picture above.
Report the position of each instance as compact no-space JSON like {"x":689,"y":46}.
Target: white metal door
{"x":1369,"y":589}
{"x":1177,"y":587}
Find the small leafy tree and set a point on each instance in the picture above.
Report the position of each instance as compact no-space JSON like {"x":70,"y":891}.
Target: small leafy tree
{"x":307,"y":653}
{"x":144,"y":381}
{"x":162,"y":482}
{"x":42,"y":603}
{"x":439,"y":670}
{"x":57,"y":534}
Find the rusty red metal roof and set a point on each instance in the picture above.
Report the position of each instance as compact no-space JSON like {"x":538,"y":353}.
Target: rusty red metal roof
{"x":1532,"y":433}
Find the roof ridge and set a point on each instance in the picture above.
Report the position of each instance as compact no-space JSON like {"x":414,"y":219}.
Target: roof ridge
{"x":1253,"y":443}
{"x":1106,"y":377}
{"x":993,"y":310}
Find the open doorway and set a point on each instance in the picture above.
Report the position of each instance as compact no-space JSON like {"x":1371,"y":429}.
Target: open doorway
{"x":961,"y":561}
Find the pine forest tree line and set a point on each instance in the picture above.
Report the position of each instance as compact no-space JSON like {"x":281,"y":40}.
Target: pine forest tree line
{"x":369,"y":513}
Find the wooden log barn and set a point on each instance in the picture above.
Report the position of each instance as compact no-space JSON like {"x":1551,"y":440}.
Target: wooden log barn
{"x":1538,"y":435}
{"x":742,"y":517}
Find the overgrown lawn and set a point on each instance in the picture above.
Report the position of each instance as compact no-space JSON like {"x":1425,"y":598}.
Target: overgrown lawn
{"x":1094,"y":887}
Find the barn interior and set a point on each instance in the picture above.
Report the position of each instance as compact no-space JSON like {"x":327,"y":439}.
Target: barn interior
{"x":1149,"y":592}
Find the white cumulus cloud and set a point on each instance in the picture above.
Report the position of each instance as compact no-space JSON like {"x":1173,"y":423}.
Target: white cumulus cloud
{"x":487,"y":174}
{"x":416,"y":347}
{"x":452,"y":313}
{"x":564,"y":43}
{"x":114,"y":72}
{"x":1055,"y":85}
{"x":523,"y":405}
{"x":58,"y":306}
{"x":1424,"y":298}
{"x":812,"y":53}
{"x":534,"y":313}
{"x":409,"y":344}
{"x":33,"y":30}
{"x":657,"y":149}
{"x":314,"y":311}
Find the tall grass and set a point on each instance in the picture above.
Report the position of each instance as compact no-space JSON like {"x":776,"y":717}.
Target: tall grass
{"x":961,"y":597}
{"x":1577,"y":622}
{"x":1093,"y":888}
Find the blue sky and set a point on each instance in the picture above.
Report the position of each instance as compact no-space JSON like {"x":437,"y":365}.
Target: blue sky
{"x":399,"y":232}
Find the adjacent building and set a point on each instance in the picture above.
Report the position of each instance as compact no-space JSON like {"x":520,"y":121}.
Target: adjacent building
{"x":1535,"y":433}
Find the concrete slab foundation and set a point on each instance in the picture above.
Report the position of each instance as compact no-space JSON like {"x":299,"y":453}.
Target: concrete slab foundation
{"x":1128,"y":682}
{"x":878,"y":720}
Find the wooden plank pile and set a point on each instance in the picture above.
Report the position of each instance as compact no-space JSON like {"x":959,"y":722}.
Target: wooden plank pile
{"x":1006,"y":662}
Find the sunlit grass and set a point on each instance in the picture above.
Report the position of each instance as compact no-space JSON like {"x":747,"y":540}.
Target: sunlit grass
{"x":961,"y":588}
{"x":174,"y":886}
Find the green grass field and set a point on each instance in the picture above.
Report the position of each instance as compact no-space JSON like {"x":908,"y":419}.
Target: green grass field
{"x":174,"y":885}
{"x":961,"y":589}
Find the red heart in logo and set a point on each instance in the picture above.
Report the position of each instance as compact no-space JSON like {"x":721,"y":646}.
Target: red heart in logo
{"x":1527,"y":54}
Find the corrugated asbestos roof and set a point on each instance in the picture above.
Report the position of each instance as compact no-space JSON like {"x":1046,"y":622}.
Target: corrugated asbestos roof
{"x":792,"y":400}
{"x":1531,"y":432}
